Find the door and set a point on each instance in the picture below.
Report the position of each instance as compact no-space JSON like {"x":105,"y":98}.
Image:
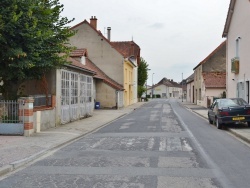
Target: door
{"x":76,"y":95}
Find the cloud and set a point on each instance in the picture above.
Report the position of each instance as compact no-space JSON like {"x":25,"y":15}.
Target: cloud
{"x":157,"y":26}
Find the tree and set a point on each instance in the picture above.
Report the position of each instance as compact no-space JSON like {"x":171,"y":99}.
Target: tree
{"x":33,"y":36}
{"x":142,"y":77}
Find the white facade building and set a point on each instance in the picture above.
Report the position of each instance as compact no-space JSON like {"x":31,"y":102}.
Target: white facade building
{"x":237,"y":32}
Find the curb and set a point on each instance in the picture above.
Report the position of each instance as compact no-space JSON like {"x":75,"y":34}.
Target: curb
{"x":20,"y":163}
{"x":5,"y":169}
{"x":226,"y":128}
{"x":239,"y":136}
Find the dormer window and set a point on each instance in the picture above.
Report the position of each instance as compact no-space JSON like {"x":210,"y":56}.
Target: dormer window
{"x":83,"y":60}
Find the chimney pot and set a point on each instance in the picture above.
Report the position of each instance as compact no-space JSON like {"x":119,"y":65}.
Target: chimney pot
{"x":93,"y":22}
{"x":109,"y":32}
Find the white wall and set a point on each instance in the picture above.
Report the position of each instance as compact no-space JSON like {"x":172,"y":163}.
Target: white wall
{"x":168,"y":90}
{"x":239,"y":27}
{"x":159,"y":90}
{"x":44,"y":120}
{"x":190,"y":93}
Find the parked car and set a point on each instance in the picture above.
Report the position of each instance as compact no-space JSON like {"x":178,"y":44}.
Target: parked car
{"x":226,"y":111}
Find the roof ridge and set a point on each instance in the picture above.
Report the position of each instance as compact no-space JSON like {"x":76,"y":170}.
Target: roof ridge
{"x":97,"y":31}
{"x":211,"y":54}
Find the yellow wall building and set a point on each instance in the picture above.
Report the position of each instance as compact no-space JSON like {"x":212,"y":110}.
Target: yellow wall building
{"x":128,"y":83}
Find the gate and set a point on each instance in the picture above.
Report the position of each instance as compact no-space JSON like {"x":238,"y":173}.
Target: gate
{"x":11,"y":118}
{"x":76,"y":93}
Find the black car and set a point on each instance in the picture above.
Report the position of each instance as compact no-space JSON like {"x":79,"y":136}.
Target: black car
{"x":226,"y":111}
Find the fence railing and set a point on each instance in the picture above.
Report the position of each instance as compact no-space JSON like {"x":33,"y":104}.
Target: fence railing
{"x":9,"y":111}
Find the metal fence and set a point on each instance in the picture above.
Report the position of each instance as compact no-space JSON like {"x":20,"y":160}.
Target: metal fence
{"x":11,"y":118}
{"x":9,"y":112}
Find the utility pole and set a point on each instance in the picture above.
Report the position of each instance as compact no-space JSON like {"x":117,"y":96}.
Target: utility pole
{"x":152,"y":86}
{"x":182,"y":87}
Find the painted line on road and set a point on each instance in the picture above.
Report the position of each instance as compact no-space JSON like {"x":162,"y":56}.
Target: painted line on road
{"x":216,"y":170}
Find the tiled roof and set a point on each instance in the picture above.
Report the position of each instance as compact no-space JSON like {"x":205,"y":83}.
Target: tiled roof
{"x":91,"y":67}
{"x":167,"y":82}
{"x":127,"y":48}
{"x":79,"y":53}
{"x":75,"y":63}
{"x":101,"y":75}
{"x":214,"y":79}
{"x":211,"y":54}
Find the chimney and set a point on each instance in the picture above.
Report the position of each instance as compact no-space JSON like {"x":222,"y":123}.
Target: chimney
{"x":93,"y":22}
{"x":109,"y":30}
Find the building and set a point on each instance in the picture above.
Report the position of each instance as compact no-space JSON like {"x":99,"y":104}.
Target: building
{"x":237,"y":33}
{"x":166,"y":88}
{"x":190,"y":88}
{"x":210,"y":77}
{"x":118,"y":60}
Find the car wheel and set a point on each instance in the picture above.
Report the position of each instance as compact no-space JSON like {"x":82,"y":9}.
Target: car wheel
{"x":218,"y":124}
{"x":210,"y":121}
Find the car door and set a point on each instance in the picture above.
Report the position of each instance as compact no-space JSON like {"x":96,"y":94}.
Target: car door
{"x":213,"y":110}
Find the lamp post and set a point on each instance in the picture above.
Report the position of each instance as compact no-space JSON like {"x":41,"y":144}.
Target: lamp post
{"x":152,"y":85}
{"x":182,"y":87}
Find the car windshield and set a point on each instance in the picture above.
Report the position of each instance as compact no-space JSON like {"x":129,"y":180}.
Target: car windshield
{"x":240,"y":101}
{"x":232,"y":102}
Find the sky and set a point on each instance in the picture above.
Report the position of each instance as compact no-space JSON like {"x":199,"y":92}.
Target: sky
{"x":174,"y":35}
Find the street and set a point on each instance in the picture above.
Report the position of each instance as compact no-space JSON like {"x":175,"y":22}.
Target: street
{"x":160,"y":145}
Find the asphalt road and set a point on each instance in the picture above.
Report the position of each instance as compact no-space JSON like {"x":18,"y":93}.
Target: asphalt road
{"x":160,"y":145}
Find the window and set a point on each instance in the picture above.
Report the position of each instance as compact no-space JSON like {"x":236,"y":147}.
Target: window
{"x":200,"y":94}
{"x":237,"y":47}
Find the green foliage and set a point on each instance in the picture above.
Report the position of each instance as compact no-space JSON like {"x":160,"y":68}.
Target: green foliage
{"x":158,"y":96}
{"x":142,"y":72}
{"x":12,"y":119}
{"x":32,"y":35}
{"x":141,"y":90}
{"x":142,"y":77}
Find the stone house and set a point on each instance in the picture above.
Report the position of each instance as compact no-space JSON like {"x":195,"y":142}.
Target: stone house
{"x":237,"y":33}
{"x":210,"y":77}
{"x":117,"y":60}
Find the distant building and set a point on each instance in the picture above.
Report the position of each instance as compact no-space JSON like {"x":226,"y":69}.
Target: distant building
{"x":210,"y":77}
{"x":190,"y":88}
{"x":117,"y":60}
{"x":166,"y":88}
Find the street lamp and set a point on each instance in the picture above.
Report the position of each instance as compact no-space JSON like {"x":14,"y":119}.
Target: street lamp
{"x":152,"y":85}
{"x":182,"y":87}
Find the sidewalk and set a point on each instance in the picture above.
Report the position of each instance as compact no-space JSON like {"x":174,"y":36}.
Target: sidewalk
{"x":16,"y":151}
{"x":240,"y":131}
